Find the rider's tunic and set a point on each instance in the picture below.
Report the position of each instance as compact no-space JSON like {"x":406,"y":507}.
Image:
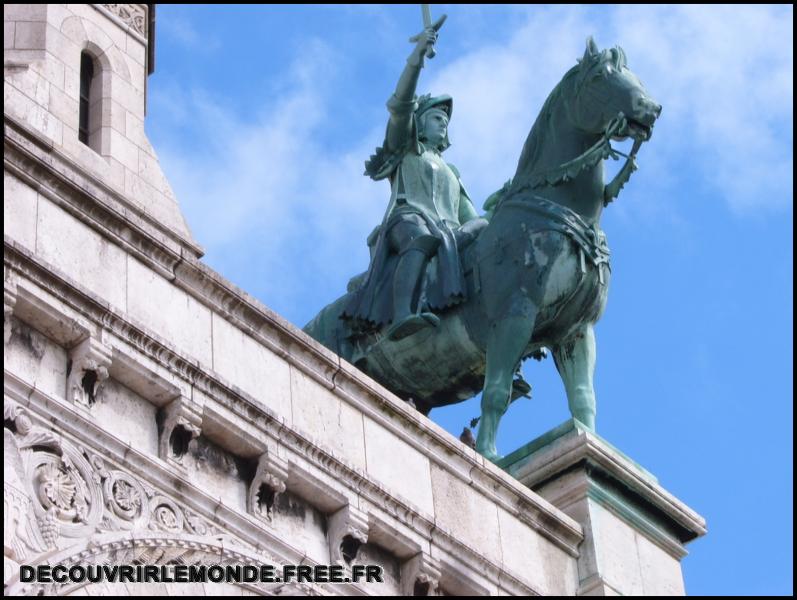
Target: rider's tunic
{"x":422,"y":184}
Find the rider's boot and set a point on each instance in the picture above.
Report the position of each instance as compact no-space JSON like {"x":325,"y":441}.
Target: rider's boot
{"x":406,"y":281}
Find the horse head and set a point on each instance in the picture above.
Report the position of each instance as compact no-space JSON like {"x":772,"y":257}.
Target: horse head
{"x":606,"y":92}
{"x":597,"y":100}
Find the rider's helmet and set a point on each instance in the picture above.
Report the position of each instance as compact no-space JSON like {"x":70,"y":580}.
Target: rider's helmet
{"x":428,"y":102}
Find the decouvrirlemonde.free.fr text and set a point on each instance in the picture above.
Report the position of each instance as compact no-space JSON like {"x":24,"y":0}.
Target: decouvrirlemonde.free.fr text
{"x":200,"y":574}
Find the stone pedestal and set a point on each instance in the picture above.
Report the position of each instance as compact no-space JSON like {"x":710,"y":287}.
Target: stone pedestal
{"x":634,"y":530}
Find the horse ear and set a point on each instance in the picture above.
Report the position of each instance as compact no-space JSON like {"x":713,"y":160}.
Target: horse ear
{"x":592,"y":49}
{"x":622,"y":59}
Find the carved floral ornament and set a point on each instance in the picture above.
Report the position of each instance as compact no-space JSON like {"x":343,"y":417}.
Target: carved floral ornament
{"x":58,"y":494}
{"x":132,"y":15}
{"x":66,"y":505}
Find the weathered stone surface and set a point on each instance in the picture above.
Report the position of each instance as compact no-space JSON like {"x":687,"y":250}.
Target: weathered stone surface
{"x":537,"y":561}
{"x":218,"y":472}
{"x":128,"y":416}
{"x":395,"y":463}
{"x":661,"y":573}
{"x":634,"y":530}
{"x":33,"y":114}
{"x":36,"y":359}
{"x":30,"y":35}
{"x":257,"y":371}
{"x":330,"y":422}
{"x":24,"y":12}
{"x":19,"y":211}
{"x":464,"y":512}
{"x":75,"y":249}
{"x":177,"y":317}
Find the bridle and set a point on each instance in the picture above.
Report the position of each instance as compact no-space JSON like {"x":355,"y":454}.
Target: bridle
{"x":600,"y":150}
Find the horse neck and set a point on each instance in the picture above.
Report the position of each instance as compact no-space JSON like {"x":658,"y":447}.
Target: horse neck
{"x":560,"y":142}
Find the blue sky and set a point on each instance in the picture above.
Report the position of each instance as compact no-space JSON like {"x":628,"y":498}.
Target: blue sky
{"x":263,"y":117}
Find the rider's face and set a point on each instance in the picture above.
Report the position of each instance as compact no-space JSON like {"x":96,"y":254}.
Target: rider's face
{"x":435,"y":126}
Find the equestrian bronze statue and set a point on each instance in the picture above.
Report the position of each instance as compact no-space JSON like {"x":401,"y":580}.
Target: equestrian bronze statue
{"x":452,"y":302}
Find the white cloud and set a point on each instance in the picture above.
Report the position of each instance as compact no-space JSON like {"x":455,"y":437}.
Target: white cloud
{"x":181,"y":30}
{"x":723,"y":75}
{"x":260,"y":190}
{"x":261,"y":187}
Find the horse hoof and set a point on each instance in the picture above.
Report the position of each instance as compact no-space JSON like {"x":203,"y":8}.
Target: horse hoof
{"x":407,"y":327}
{"x":492,"y":456}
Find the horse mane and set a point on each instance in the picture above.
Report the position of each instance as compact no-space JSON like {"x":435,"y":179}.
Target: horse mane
{"x":529,"y":163}
{"x":532,"y":149}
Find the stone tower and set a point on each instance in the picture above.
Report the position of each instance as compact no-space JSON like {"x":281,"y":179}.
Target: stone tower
{"x":96,"y":58}
{"x":155,"y":414}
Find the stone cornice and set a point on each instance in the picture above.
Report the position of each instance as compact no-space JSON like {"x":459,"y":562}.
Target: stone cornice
{"x":612,"y":474}
{"x":346,"y":381}
{"x":84,"y":433}
{"x":259,"y":428}
{"x":35,"y":160}
{"x":133,"y":18}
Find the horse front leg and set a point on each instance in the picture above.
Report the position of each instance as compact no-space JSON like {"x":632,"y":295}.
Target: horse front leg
{"x":505,"y":345}
{"x":575,"y":361}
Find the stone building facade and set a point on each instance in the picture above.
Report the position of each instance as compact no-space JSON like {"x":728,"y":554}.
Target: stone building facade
{"x":156,"y":414}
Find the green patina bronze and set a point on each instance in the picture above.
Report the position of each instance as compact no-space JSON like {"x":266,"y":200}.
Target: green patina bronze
{"x":453,"y":302}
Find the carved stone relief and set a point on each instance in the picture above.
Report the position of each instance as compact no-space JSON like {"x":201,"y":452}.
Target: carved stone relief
{"x":421,"y":576}
{"x":132,"y":15}
{"x":160,"y":550}
{"x":180,"y":424}
{"x":57,"y":494}
{"x":348,"y":530}
{"x":269,"y":481}
{"x":88,"y":371}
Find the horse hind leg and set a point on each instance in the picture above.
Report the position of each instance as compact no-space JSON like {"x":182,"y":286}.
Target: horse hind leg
{"x":575,"y":361}
{"x":505,"y":345}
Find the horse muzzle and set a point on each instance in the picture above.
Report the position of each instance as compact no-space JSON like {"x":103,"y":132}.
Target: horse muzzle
{"x":643,"y":117}
{"x":637,"y":130}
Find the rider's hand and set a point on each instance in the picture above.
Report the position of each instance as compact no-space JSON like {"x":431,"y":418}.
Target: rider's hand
{"x":426,"y":40}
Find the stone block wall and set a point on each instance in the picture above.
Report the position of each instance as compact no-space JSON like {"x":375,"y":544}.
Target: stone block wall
{"x":41,"y":56}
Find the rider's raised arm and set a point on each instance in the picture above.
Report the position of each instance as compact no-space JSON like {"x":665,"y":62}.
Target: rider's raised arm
{"x":402,"y":103}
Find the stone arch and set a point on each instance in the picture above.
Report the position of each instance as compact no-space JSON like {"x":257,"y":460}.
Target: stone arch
{"x":151,"y":548}
{"x":112,"y":74}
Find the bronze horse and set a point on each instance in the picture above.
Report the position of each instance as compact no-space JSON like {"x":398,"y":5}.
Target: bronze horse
{"x":538,"y":275}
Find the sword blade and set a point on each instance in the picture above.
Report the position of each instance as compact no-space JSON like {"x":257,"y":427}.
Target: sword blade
{"x":427,"y":23}
{"x":427,"y":16}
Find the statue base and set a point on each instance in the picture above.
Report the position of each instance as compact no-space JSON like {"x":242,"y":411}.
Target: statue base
{"x":634,"y":530}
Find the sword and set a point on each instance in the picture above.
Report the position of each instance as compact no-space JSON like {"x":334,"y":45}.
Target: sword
{"x":427,"y":23}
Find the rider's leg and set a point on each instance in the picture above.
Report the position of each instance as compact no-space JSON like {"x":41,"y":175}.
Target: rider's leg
{"x":575,"y":360}
{"x":414,"y":243}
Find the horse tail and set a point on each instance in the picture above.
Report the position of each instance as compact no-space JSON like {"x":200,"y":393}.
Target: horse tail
{"x":330,"y":330}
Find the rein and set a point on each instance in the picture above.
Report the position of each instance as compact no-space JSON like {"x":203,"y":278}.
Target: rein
{"x":601,"y":150}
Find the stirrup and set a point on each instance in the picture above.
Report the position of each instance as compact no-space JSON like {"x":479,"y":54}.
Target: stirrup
{"x":406,"y":327}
